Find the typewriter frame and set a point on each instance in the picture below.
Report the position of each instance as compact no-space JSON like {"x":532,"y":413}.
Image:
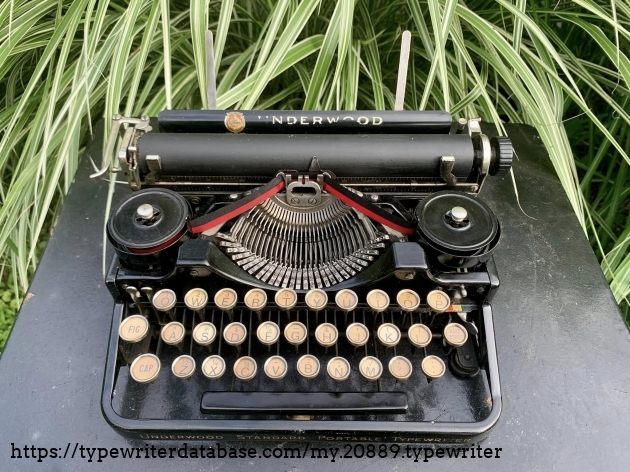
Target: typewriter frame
{"x":292,"y":429}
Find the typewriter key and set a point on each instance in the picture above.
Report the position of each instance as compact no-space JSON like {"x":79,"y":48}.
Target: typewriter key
{"x":196,"y":299}
{"x":225,"y":299}
{"x":164,"y":299}
{"x":455,"y":334}
{"x":295,"y":332}
{"x":308,"y":366}
{"x":213,"y":367}
{"x":346,"y":300}
{"x":326,"y":334}
{"x":173,"y":333}
{"x":378,"y":300}
{"x":275,"y":367}
{"x":183,"y":367}
{"x":338,"y":368}
{"x":438,"y":301}
{"x":245,"y":368}
{"x":433,"y":367}
{"x":268,"y":333}
{"x":408,"y":300}
{"x":133,"y":328}
{"x":316,"y":299}
{"x":357,"y":334}
{"x":419,"y":335}
{"x":286,"y":298}
{"x":235,"y":333}
{"x":388,"y":334}
{"x":145,"y":368}
{"x":371,"y":368}
{"x":204,"y":333}
{"x":256,"y":299}
{"x":400,"y":367}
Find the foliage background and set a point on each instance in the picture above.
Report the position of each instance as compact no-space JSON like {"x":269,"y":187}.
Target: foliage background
{"x":560,"y":66}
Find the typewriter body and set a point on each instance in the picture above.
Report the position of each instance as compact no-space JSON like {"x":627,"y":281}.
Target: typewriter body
{"x":303,"y":275}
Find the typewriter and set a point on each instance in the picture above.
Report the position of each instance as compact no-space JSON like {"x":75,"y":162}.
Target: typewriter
{"x":303,"y":275}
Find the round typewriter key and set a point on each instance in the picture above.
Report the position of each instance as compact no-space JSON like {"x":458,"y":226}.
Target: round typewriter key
{"x":371,"y":368}
{"x":235,"y":333}
{"x":357,"y":334}
{"x":295,"y":332}
{"x":164,"y":299}
{"x":225,"y":299}
{"x":316,"y":299}
{"x":455,"y":334}
{"x":308,"y":366}
{"x":173,"y":333}
{"x":338,"y":368}
{"x":204,"y":333}
{"x":400,"y":367}
{"x":133,"y":328}
{"x":326,"y":334}
{"x":256,"y":299}
{"x":378,"y":300}
{"x":419,"y":335}
{"x":145,"y":368}
{"x":286,"y":298}
{"x":245,"y":368}
{"x":408,"y":300}
{"x":268,"y":333}
{"x":196,"y":299}
{"x":346,"y":300}
{"x":438,"y":301}
{"x":388,"y":334}
{"x":213,"y":367}
{"x":183,"y":367}
{"x":276,"y":367}
{"x":433,"y":367}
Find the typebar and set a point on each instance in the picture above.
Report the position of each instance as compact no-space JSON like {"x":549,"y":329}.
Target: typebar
{"x":304,"y":403}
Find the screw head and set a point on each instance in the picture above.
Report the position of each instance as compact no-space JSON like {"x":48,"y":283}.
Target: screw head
{"x":295,"y":200}
{"x":145,"y":211}
{"x":312,"y":200}
{"x":374,"y":197}
{"x":459,"y":214}
{"x":234,"y":196}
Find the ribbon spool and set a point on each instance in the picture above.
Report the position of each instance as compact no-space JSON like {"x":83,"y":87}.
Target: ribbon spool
{"x":146,"y":227}
{"x":460,"y":229}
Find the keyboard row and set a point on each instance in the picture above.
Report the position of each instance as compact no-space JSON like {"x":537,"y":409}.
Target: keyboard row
{"x":146,"y":367}
{"x":134,"y":329}
{"x":286,"y":299}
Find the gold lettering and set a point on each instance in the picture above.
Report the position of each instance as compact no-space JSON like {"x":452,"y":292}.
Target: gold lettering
{"x":374,"y":120}
{"x":317,"y":120}
{"x":276,"y":119}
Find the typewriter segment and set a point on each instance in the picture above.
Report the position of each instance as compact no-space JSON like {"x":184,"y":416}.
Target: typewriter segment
{"x":342,"y":279}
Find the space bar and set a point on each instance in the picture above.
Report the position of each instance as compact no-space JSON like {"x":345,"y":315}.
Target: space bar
{"x":314,"y":403}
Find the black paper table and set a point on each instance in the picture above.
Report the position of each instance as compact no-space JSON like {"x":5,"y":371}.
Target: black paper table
{"x":564,"y":352}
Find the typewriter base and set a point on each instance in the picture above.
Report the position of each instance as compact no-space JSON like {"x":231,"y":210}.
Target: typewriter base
{"x":172,"y":410}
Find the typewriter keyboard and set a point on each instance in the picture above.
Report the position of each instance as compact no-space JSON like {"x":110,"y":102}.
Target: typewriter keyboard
{"x":364,"y":350}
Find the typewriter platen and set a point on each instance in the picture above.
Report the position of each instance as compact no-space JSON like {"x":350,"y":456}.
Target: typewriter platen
{"x":303,"y":275}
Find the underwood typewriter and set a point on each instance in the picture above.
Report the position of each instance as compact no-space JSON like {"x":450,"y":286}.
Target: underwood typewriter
{"x":303,"y":275}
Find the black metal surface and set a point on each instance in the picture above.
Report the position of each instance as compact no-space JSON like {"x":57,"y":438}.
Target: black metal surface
{"x":261,"y":155}
{"x":563,"y":348}
{"x":276,"y":121}
{"x":298,"y":403}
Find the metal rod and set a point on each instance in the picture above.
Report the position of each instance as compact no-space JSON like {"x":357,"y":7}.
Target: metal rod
{"x":405,"y":46}
{"x":210,"y":72}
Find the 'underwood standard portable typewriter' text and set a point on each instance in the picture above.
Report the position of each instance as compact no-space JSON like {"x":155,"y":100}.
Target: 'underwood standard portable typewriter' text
{"x":303,"y":275}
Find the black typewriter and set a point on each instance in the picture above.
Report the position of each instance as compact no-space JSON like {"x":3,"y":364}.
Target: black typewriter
{"x":303,"y":275}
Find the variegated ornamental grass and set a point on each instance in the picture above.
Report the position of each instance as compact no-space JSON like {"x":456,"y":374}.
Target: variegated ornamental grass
{"x":560,"y":66}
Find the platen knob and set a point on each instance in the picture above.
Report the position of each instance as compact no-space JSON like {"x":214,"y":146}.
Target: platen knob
{"x":502,"y":152}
